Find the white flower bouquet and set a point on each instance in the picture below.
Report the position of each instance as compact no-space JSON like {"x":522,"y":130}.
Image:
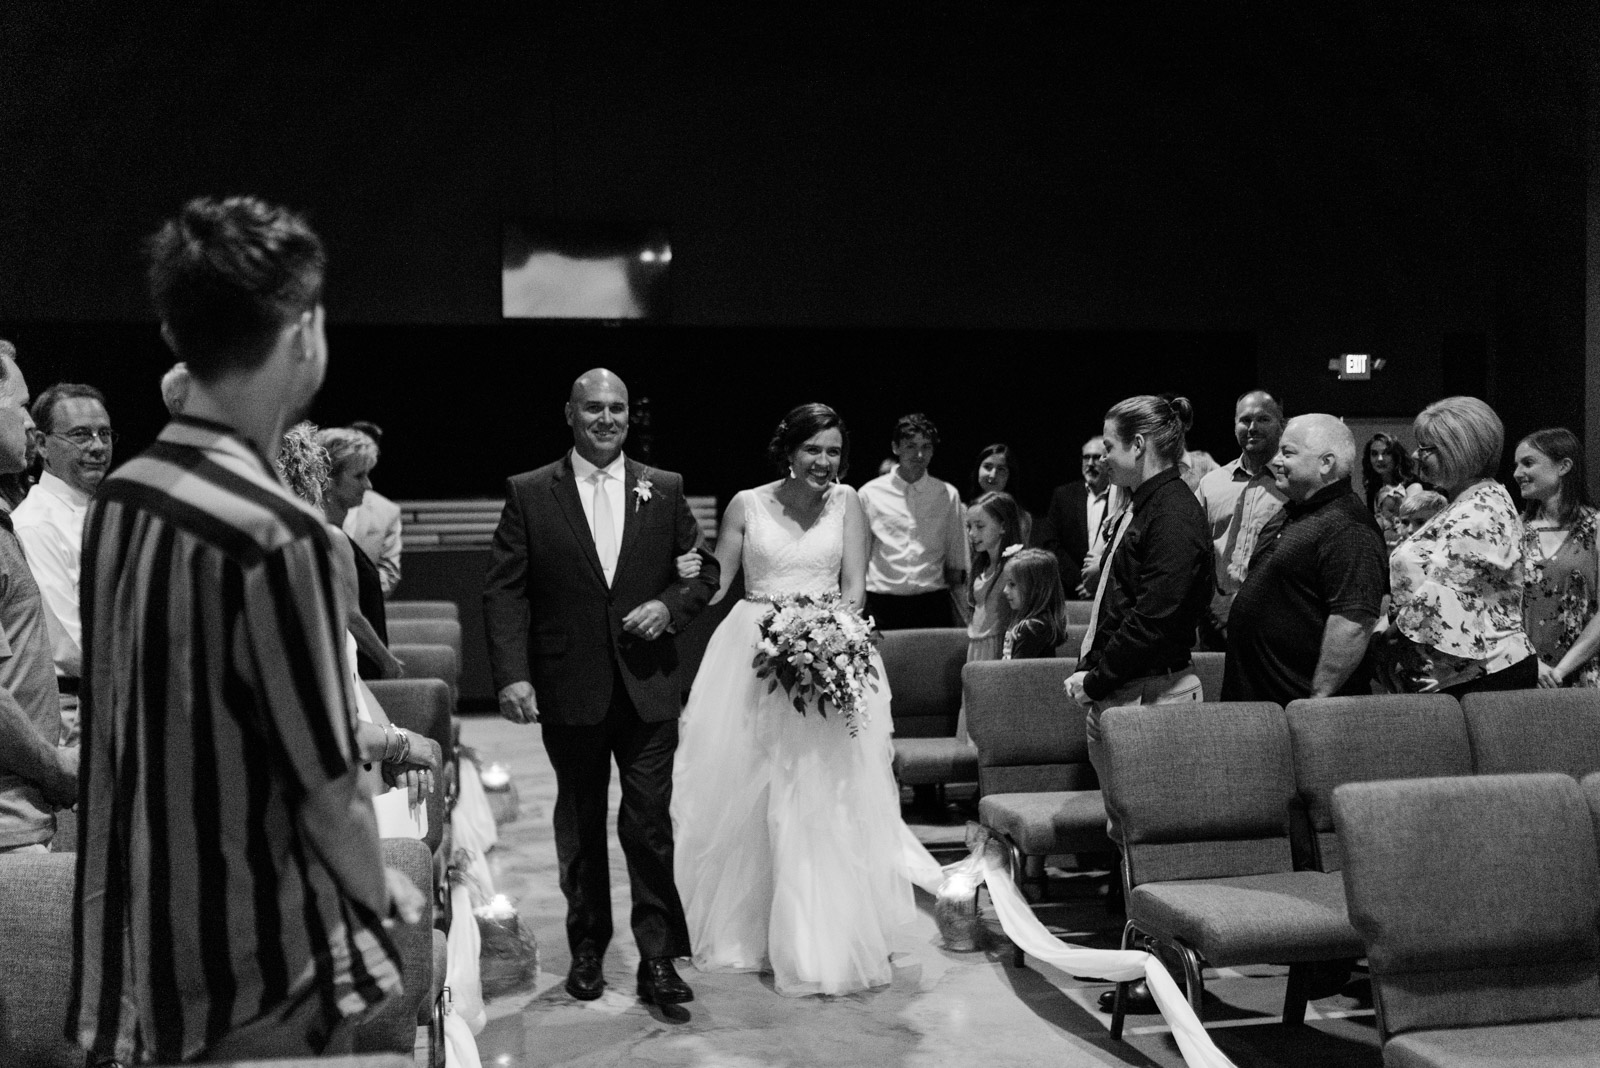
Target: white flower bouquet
{"x":820,"y":649}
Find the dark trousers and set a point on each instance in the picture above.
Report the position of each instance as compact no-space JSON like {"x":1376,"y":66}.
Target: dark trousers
{"x":1523,"y":675}
{"x":582,"y":759}
{"x":910,"y":611}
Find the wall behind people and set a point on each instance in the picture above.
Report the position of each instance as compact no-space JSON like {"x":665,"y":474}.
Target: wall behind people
{"x":1401,"y":180}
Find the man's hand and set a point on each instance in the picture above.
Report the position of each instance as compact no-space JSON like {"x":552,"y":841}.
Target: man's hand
{"x":648,"y":621}
{"x":1221,"y":605}
{"x":1074,"y":685}
{"x":689,"y":565}
{"x":1090,"y":573}
{"x":62,"y":792}
{"x":405,"y":900}
{"x":393,"y":668}
{"x":517,"y":703}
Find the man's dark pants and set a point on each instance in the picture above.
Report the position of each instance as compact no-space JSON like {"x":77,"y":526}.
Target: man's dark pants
{"x":581,"y":756}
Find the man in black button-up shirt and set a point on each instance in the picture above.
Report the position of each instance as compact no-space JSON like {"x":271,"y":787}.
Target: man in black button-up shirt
{"x":1302,"y":620}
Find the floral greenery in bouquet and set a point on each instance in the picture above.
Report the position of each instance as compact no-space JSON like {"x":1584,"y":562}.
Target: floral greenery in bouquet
{"x":820,"y":649}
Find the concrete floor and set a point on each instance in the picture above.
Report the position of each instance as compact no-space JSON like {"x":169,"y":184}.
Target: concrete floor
{"x":942,"y":1008}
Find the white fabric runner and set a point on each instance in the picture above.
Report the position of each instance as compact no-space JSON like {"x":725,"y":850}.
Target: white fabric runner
{"x":1118,"y":965}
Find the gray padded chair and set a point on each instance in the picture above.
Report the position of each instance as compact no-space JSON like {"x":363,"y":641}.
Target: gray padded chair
{"x":430,"y":662}
{"x":1038,"y":791}
{"x":423,"y":706}
{"x":426,"y":632}
{"x":36,"y":902}
{"x":1201,"y":795}
{"x":1336,"y":740}
{"x":1078,"y":612}
{"x":393,"y":1027}
{"x":923,"y":668}
{"x":422,"y":610}
{"x":1534,"y":730}
{"x":1479,"y":900}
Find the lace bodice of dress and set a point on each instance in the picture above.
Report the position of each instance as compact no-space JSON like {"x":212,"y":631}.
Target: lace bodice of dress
{"x":777,"y":562}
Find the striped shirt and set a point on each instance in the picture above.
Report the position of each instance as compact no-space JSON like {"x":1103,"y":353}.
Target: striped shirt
{"x":228,"y":860}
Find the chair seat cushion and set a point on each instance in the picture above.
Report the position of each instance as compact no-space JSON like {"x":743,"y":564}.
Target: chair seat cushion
{"x":1044,"y":824}
{"x":921,"y":761}
{"x":1282,"y":916}
{"x":1548,"y":1044}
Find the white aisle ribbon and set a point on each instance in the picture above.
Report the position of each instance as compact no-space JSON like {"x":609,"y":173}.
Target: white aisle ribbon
{"x":1118,"y":965}
{"x":467,"y":1015}
{"x":473,"y":820}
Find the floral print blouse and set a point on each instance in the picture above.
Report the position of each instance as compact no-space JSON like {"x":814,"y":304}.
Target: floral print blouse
{"x":1458,"y":584}
{"x":1560,"y":595}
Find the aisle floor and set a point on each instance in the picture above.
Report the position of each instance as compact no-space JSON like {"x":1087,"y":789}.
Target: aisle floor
{"x":943,"y":1008}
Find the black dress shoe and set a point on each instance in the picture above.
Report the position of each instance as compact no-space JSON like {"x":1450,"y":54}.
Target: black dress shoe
{"x":586,"y":979}
{"x":659,"y":983}
{"x":1139,"y":1002}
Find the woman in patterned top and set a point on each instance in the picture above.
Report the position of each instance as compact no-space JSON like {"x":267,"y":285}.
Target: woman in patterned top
{"x":1559,"y":596}
{"x":1457,"y":582}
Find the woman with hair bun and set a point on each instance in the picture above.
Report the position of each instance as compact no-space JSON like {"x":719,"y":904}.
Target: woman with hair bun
{"x":1159,"y":576}
{"x":790,"y":854}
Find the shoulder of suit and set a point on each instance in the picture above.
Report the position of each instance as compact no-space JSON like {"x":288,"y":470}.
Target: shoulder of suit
{"x":538,"y":474}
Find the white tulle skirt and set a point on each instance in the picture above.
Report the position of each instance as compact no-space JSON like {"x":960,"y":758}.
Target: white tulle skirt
{"x":791,"y":856}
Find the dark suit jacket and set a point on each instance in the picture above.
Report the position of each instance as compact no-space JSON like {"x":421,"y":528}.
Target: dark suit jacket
{"x":552,"y":620}
{"x":1066,"y":533}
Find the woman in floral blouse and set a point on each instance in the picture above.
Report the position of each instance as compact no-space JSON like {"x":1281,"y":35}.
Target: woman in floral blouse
{"x":1458,"y":582}
{"x":1559,"y":597}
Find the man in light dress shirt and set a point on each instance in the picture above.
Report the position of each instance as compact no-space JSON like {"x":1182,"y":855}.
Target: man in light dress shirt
{"x":76,"y":447}
{"x":919,"y":544}
{"x":1240,"y":498}
{"x":375,"y":523}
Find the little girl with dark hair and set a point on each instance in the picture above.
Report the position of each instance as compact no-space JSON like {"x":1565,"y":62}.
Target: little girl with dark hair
{"x":1031,"y":584}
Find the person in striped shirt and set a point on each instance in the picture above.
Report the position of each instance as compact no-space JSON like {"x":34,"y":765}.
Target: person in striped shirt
{"x":232,"y":898}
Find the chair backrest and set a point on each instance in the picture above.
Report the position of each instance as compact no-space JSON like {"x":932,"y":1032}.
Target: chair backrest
{"x":423,"y":706}
{"x":923,"y":668}
{"x":422,"y":610}
{"x":1200,"y":790}
{"x":1336,"y":740}
{"x":1072,"y":644}
{"x":1478,"y":898}
{"x":426,"y":632}
{"x":1534,"y":730}
{"x":36,"y":902}
{"x":1078,"y":612}
{"x":429,"y":662}
{"x":394,"y":1026}
{"x":1208,"y":667}
{"x":1029,"y":734}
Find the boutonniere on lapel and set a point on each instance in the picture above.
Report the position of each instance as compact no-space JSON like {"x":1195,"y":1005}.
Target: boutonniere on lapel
{"x":641,"y":490}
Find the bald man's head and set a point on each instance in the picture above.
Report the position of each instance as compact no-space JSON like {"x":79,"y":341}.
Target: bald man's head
{"x":1316,"y":450}
{"x":1257,"y":423}
{"x":597,"y":412}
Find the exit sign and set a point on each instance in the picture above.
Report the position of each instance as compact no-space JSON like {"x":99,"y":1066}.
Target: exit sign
{"x":1356,"y":365}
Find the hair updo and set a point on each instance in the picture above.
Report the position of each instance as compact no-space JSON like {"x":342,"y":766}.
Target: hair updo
{"x":1162,"y":420}
{"x":801,"y":425}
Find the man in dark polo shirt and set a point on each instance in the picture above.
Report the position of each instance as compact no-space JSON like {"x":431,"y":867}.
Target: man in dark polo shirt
{"x":1301,"y":622}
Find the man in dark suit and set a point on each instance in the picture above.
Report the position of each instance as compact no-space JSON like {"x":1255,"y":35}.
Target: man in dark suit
{"x":582,"y":602}
{"x":1073,"y":525}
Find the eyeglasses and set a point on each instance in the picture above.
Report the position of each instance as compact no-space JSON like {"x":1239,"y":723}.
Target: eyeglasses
{"x":1420,"y":449}
{"x":83,"y":437}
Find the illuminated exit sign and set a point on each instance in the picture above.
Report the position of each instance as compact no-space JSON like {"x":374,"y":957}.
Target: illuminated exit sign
{"x":1356,"y":365}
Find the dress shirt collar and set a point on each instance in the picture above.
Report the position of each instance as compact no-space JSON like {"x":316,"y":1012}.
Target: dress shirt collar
{"x":1149,"y":486}
{"x":1102,"y":495}
{"x":583,"y":470}
{"x":1242,"y":473}
{"x":1331,"y":491}
{"x":59,"y":488}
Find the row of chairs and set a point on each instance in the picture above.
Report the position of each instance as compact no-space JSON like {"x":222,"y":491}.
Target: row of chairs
{"x":1230,"y":853}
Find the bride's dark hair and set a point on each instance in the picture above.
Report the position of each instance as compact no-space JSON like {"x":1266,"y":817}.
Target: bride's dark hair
{"x":800,"y":426}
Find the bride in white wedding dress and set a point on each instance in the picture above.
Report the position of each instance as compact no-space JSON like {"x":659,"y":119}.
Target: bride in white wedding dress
{"x":791,"y":856}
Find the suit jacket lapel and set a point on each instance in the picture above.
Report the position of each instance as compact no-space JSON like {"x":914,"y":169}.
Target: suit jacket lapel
{"x":565,"y":489}
{"x":631,"y":504}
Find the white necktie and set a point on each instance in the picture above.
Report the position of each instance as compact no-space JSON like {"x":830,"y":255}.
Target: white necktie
{"x":605,"y":530}
{"x":1105,"y":579}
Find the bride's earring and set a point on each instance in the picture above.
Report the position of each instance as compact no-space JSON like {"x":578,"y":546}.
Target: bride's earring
{"x":792,"y":473}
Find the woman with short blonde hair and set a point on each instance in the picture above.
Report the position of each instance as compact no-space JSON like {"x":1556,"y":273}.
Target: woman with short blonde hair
{"x":1458,"y":581}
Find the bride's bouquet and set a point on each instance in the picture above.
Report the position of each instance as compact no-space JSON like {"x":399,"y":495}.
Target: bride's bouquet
{"x":820,"y":649}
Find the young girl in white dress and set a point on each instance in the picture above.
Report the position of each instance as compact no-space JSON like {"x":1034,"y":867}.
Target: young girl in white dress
{"x":790,"y":853}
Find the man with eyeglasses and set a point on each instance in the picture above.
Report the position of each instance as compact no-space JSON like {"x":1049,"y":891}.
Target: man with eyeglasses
{"x":1075,"y":527}
{"x":75,"y":439}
